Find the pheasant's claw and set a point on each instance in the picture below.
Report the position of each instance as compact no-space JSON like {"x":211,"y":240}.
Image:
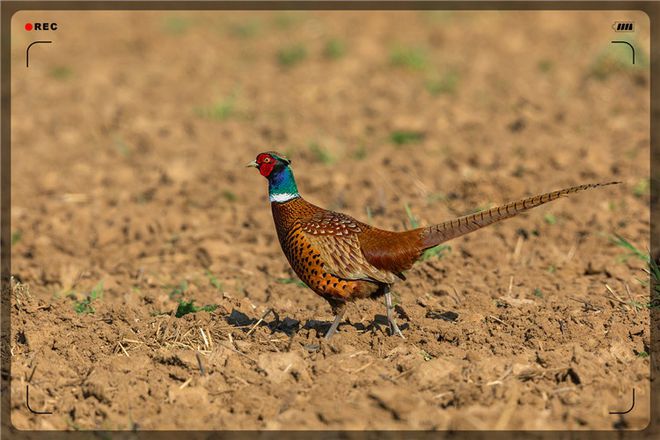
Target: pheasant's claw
{"x":394,"y":329}
{"x":333,"y":328}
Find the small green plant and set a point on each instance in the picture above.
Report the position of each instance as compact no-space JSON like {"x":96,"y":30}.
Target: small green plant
{"x":221,"y":110}
{"x":320,"y":153}
{"x":413,"y":58}
{"x":445,"y":84}
{"x":642,"y":188}
{"x":552,"y":269}
{"x":178,"y":291}
{"x":403,"y":137}
{"x":246,"y":29}
{"x":16,"y":237}
{"x":545,"y":66}
{"x":176,"y":25}
{"x":186,"y":307}
{"x":360,"y":153}
{"x":538,"y":293}
{"x":229,"y":195}
{"x":412,"y":220}
{"x":438,"y":251}
{"x":369,"y":215}
{"x":633,"y":251}
{"x":287,"y":20}
{"x":213,"y":280}
{"x":61,"y":72}
{"x":550,"y":219}
{"x":291,"y":55}
{"x":334,"y":49}
{"x":652,"y":269}
{"x":121,"y":146}
{"x":85,"y":304}
{"x":436,"y":197}
{"x":295,"y":281}
{"x":642,"y":354}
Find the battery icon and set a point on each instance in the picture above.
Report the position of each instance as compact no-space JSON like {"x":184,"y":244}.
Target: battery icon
{"x":623,"y":26}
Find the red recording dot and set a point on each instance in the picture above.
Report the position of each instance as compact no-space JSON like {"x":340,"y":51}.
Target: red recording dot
{"x":28,"y":26}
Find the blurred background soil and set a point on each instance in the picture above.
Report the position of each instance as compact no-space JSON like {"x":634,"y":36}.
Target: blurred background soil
{"x":130,"y":199}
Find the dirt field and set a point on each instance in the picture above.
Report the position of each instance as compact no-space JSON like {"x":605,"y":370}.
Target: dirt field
{"x":130,"y":198}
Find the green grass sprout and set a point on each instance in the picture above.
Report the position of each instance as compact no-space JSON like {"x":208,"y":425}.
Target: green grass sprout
{"x":334,"y":49}
{"x":438,"y":251}
{"x":85,"y":305}
{"x":186,"y":307}
{"x":246,"y":29}
{"x":642,"y":188}
{"x":550,"y":219}
{"x":369,"y":215}
{"x":545,"y":66}
{"x":16,"y":237}
{"x":176,"y":25}
{"x":360,"y":153}
{"x":178,"y":291}
{"x":229,"y":195}
{"x":213,"y":280}
{"x":652,"y":269}
{"x":61,"y":73}
{"x":291,"y":55}
{"x":403,"y":137}
{"x":444,"y":85}
{"x":221,"y":110}
{"x":412,"y":220}
{"x":413,"y":58}
{"x":320,"y":153}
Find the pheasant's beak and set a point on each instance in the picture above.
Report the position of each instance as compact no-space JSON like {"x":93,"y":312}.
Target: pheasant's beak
{"x":253,"y":164}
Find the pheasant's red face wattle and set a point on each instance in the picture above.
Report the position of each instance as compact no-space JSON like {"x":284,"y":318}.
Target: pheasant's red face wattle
{"x":266,"y":163}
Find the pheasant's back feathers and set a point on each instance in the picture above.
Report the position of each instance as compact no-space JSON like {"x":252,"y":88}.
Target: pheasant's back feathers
{"x":330,"y":223}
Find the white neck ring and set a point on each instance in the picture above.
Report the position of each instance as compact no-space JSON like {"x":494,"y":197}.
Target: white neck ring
{"x":282,"y":197}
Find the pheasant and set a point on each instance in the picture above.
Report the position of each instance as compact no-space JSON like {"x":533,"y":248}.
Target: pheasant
{"x":342,"y":259}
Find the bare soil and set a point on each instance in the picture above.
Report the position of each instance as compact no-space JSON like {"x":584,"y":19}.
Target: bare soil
{"x":129,"y":138}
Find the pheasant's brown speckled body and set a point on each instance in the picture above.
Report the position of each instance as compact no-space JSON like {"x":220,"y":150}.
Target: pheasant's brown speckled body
{"x":342,"y":259}
{"x":329,"y":251}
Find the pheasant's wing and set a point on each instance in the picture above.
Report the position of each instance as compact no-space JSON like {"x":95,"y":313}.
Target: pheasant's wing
{"x":335,"y":237}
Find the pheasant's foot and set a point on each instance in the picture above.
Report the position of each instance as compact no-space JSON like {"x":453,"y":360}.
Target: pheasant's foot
{"x":335,"y":323}
{"x":394,"y":329}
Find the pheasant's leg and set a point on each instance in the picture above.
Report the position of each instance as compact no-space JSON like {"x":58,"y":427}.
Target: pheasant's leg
{"x":335,"y":323}
{"x":394,"y":329}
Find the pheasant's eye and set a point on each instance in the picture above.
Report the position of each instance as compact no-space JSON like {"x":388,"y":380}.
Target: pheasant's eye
{"x":266,"y":160}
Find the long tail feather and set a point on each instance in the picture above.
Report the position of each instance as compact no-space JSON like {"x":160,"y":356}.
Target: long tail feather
{"x":436,"y":234}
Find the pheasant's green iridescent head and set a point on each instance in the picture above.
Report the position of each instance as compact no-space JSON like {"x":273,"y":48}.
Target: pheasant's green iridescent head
{"x":276,"y":168}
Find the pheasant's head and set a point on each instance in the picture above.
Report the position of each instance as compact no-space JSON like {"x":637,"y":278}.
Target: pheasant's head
{"x":270,"y":163}
{"x":275,"y":167}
